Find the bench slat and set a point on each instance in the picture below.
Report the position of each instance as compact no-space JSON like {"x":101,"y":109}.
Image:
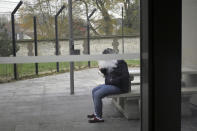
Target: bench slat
{"x":136,"y":93}
{"x":188,"y":90}
{"x":134,"y":72}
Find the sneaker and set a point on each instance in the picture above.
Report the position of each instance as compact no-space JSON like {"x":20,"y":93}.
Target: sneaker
{"x":91,"y":116}
{"x":95,"y":119}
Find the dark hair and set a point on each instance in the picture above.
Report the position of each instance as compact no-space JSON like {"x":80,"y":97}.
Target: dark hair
{"x":109,"y":51}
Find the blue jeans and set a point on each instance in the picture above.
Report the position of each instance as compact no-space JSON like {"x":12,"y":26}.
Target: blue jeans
{"x":100,"y":92}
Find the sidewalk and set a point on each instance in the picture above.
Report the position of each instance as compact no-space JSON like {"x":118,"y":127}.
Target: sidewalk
{"x":45,"y":104}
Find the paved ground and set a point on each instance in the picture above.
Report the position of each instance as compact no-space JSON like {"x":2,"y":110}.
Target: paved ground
{"x":45,"y":104}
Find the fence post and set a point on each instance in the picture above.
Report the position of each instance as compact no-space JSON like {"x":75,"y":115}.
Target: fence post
{"x":56,"y":35}
{"x":14,"y":37}
{"x":88,"y":38}
{"x":35,"y":41}
{"x":122,"y":31}
{"x":88,"y":33}
{"x":71,"y":46}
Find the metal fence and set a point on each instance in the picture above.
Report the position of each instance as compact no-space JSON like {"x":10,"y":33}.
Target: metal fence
{"x":38,"y":31}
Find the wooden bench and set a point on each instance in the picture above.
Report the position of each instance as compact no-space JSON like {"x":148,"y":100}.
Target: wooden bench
{"x":129,"y":103}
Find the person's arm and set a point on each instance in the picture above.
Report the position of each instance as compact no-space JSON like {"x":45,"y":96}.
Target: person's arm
{"x":103,"y":70}
{"x":122,"y":70}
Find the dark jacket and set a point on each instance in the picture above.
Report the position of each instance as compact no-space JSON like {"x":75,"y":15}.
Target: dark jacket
{"x":118,"y":76}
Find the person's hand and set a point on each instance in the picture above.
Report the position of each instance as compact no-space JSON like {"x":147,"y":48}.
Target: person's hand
{"x":100,"y":73}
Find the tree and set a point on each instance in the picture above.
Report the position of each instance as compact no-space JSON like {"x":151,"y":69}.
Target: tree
{"x":6,"y":48}
{"x":104,"y":6}
{"x":132,"y":15}
{"x":79,"y":11}
{"x":45,"y":11}
{"x":104,"y":22}
{"x":103,"y":25}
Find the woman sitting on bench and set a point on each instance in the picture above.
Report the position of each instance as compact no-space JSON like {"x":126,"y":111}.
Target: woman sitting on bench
{"x":117,"y":81}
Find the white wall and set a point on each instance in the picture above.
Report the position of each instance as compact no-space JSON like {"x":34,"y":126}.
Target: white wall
{"x":132,"y":45}
{"x":189,"y":33}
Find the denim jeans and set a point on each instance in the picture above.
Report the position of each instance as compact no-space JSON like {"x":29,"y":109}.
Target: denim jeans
{"x":100,"y":92}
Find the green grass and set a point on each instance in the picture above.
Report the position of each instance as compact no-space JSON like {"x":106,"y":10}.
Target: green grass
{"x":28,"y":70}
{"x":25,"y":69}
{"x":133,"y":63}
{"x":6,"y":70}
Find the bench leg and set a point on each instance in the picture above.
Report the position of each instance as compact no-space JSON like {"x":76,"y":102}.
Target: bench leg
{"x":129,"y":108}
{"x":119,"y":104}
{"x":185,"y":106}
{"x":132,"y":109}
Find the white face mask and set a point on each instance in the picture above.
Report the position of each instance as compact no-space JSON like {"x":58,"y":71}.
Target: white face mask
{"x":108,"y":64}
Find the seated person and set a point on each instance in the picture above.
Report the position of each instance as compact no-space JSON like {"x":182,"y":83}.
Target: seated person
{"x":117,"y":81}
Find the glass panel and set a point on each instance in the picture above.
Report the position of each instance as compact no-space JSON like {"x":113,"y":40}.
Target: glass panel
{"x":49,"y":96}
{"x":6,"y":50}
{"x":189,"y":65}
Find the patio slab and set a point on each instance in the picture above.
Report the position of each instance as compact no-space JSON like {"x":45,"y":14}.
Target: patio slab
{"x":45,"y":104}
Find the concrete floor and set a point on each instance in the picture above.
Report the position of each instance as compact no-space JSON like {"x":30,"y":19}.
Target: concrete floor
{"x":45,"y":104}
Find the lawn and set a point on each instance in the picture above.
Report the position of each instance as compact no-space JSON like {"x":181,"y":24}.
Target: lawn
{"x":28,"y":70}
